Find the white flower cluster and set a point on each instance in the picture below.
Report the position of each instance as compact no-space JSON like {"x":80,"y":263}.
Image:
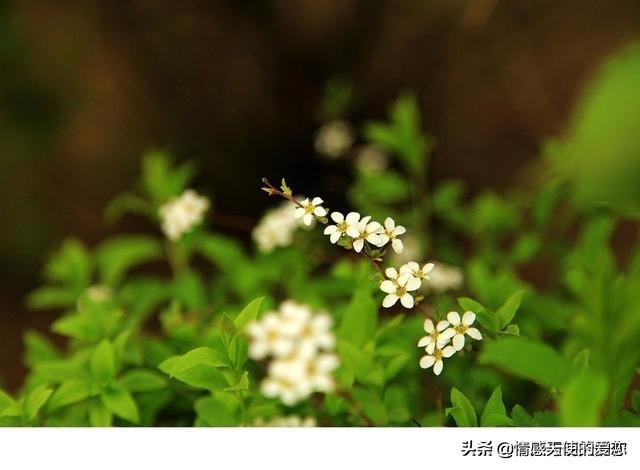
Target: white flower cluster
{"x":309,"y":210}
{"x":290,"y":421}
{"x":276,"y":228}
{"x":300,"y":344}
{"x":180,"y":215}
{"x":452,"y":330}
{"x":400,"y":284}
{"x":362,"y":229}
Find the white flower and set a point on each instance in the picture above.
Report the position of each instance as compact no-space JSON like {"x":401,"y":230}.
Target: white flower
{"x":412,"y":268}
{"x":461,"y":327}
{"x":391,"y":233}
{"x":433,"y":338}
{"x":342,"y":225}
{"x":445,"y":278}
{"x":182,"y":214}
{"x":290,"y":421}
{"x":310,"y":209}
{"x":399,"y":289}
{"x":367,"y":231}
{"x":266,"y":338}
{"x":276,"y":228}
{"x":435,"y":358}
{"x":334,"y":139}
{"x":300,"y":344}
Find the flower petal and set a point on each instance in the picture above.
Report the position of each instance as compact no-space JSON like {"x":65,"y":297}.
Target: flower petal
{"x":428,"y":325}
{"x":320,"y":211}
{"x":316,"y":201}
{"x":427,"y":361}
{"x":335,"y":236}
{"x":442,"y":325}
{"x":427,"y":268}
{"x":389,"y":224}
{"x":448,"y":351}
{"x":424,"y":341}
{"x":352,"y":217}
{"x":437,"y":367}
{"x":430,"y":347}
{"x":474,"y":333}
{"x":388,"y":286}
{"x":307,"y":219}
{"x":353,"y":231}
{"x":397,"y":245}
{"x":413,"y":284}
{"x":399,"y":230}
{"x":391,"y":273}
{"x":299,"y":212}
{"x":358,"y":245}
{"x":329,"y":229}
{"x":454,"y":318}
{"x":458,"y":342}
{"x":390,"y":300}
{"x":407,"y":300}
{"x":337,"y":217}
{"x":468,"y":318}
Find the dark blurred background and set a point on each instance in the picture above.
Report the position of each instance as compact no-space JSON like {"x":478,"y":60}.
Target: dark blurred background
{"x":87,"y":86}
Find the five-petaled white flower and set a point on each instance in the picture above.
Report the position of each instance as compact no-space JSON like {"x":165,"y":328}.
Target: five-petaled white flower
{"x":435,"y":358}
{"x":391,"y":233}
{"x":342,"y":225}
{"x":433,"y":338}
{"x":310,"y":209}
{"x":399,"y":288}
{"x":461,"y":327}
{"x":415,"y":270}
{"x":367,"y":231}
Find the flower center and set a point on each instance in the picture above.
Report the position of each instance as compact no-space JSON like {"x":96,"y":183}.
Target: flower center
{"x":400,"y":291}
{"x":460,"y":329}
{"x":437,"y":354}
{"x":309,"y":209}
{"x":342,"y":227}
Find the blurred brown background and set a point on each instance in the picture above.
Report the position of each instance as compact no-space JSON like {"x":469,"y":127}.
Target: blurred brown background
{"x":86,"y":86}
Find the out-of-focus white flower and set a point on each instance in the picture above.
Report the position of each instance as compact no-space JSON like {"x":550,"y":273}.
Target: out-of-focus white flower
{"x":300,"y":344}
{"x":182,"y":214}
{"x":444,"y":278}
{"x":267,"y":338}
{"x":371,"y":159}
{"x":334,"y":139}
{"x":290,"y":421}
{"x":390,"y":234}
{"x":461,"y":327}
{"x":435,"y":358}
{"x":399,"y":288}
{"x":309,"y":210}
{"x":99,"y":293}
{"x":433,"y":337}
{"x":276,"y":228}
{"x":341,"y":226}
{"x":367,"y":231}
{"x":411,"y":250}
{"x":412,"y":268}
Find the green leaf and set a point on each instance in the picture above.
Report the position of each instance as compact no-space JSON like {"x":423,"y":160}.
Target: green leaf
{"x":494,"y":410}
{"x":142,"y":380}
{"x":103,"y":362}
{"x":117,"y":256}
{"x":529,"y":359}
{"x":198,"y":368}
{"x":360,"y":364}
{"x":50,"y":297}
{"x":120,"y":403}
{"x":509,"y":309}
{"x":38,"y":349}
{"x":6,"y":402}
{"x":70,"y":392}
{"x":486,"y":318}
{"x":99,"y":415}
{"x":372,"y":405}
{"x":161,"y":180}
{"x":581,"y":361}
{"x":583,"y":399}
{"x":469,"y":304}
{"x":248,"y":314}
{"x":358,"y":322}
{"x":70,"y":266}
{"x":36,"y":400}
{"x":217,"y":410}
{"x":462,"y":411}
